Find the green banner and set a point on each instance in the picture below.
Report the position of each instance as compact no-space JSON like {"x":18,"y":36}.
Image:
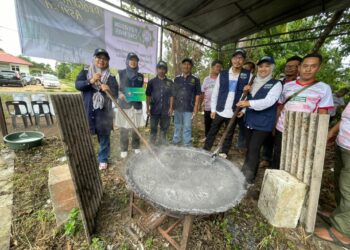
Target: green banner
{"x":135,"y":94}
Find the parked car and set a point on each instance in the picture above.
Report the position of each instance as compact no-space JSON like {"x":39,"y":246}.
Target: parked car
{"x":38,"y":78}
{"x":11,"y":77}
{"x":50,"y":81}
{"x":30,"y":80}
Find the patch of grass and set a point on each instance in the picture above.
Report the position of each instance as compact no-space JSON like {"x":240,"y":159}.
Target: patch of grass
{"x":149,"y":243}
{"x":74,"y":224}
{"x":125,"y":246}
{"x":44,"y":215}
{"x":97,"y":244}
{"x":227,"y":234}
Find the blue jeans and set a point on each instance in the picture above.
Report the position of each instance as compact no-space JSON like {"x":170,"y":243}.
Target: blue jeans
{"x":182,"y":122}
{"x":103,"y":152}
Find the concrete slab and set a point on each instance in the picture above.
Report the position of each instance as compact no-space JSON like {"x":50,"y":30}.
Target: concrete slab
{"x":281,"y":198}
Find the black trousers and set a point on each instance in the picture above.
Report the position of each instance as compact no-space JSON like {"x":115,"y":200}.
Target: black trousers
{"x":163,"y":121}
{"x":214,"y":129}
{"x":277,"y":150}
{"x":268,"y":145}
{"x":207,"y":122}
{"x":254,"y":140}
{"x":124,"y":139}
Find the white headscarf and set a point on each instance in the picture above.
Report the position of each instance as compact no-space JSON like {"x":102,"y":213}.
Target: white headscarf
{"x":260,"y":81}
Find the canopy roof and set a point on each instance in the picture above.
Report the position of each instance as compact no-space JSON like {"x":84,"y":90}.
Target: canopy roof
{"x":226,"y":21}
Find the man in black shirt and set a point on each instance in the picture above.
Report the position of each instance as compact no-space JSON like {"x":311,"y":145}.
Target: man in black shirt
{"x":160,"y":103}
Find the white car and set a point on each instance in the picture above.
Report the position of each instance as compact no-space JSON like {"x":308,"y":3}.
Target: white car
{"x":51,"y":81}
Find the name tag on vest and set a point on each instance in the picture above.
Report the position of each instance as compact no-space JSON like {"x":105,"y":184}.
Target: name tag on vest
{"x":268,"y":86}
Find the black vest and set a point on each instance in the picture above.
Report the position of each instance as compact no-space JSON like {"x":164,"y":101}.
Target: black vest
{"x":243,"y":79}
{"x":263,"y":120}
{"x":125,"y":82}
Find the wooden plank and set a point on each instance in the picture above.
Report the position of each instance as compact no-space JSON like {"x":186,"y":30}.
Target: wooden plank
{"x":186,"y":232}
{"x":289,"y":143}
{"x":284,"y":143}
{"x":303,"y":145}
{"x":82,"y":160}
{"x":296,"y":143}
{"x":317,"y":171}
{"x":3,"y":125}
{"x":310,"y":148}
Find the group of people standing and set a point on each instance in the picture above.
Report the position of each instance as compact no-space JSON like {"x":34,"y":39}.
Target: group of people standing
{"x":260,"y":116}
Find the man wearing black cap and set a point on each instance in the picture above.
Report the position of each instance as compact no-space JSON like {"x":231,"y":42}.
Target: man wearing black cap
{"x":160,"y":100}
{"x":226,"y":93}
{"x":187,"y":90}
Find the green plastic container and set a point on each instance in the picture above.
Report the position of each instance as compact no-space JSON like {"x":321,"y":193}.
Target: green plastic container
{"x":24,"y":140}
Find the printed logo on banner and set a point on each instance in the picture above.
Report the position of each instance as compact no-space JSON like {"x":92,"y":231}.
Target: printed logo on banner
{"x":132,"y":32}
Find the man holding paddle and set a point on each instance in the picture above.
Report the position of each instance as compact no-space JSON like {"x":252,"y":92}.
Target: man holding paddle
{"x":226,"y":93}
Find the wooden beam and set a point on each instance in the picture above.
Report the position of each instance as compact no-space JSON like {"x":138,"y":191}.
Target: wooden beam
{"x":2,"y":120}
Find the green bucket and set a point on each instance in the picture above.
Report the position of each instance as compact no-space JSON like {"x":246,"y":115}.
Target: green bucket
{"x":24,"y":140}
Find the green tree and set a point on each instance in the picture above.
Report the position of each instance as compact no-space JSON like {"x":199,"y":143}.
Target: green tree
{"x":63,"y":69}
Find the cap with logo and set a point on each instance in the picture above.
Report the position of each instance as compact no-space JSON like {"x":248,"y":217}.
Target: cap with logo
{"x":132,"y":55}
{"x":241,"y":52}
{"x":100,"y":51}
{"x":268,"y":59}
{"x":162,"y":64}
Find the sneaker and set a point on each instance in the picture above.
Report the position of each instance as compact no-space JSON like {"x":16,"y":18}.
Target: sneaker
{"x":124,"y":154}
{"x":223,"y":155}
{"x":103,"y":166}
{"x":137,"y":151}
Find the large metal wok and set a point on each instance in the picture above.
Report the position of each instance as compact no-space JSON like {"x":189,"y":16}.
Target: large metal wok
{"x":189,"y":182}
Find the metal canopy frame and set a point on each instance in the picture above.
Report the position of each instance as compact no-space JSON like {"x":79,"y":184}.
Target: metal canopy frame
{"x":201,"y":9}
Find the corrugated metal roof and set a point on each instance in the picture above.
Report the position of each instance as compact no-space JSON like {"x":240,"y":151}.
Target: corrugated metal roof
{"x":7,"y":58}
{"x":225,"y":21}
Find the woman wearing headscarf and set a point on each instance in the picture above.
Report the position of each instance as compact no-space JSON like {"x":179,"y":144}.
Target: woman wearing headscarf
{"x":129,"y":78}
{"x":260,"y":113}
{"x":93,"y":83}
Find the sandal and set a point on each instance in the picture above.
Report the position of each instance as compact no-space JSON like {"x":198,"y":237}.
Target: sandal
{"x":334,"y":240}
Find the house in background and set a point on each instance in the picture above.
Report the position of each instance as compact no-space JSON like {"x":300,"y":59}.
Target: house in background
{"x":10,"y":62}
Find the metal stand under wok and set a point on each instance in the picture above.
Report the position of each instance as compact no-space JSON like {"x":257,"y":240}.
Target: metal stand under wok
{"x":154,"y":220}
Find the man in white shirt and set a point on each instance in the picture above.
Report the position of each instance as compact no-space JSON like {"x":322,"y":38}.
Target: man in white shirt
{"x":226,"y":93}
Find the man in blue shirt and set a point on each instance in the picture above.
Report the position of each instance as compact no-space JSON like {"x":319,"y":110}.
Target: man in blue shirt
{"x":187,"y":90}
{"x":160,"y":103}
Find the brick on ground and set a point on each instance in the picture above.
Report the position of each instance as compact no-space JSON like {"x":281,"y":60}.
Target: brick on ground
{"x":62,"y":192}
